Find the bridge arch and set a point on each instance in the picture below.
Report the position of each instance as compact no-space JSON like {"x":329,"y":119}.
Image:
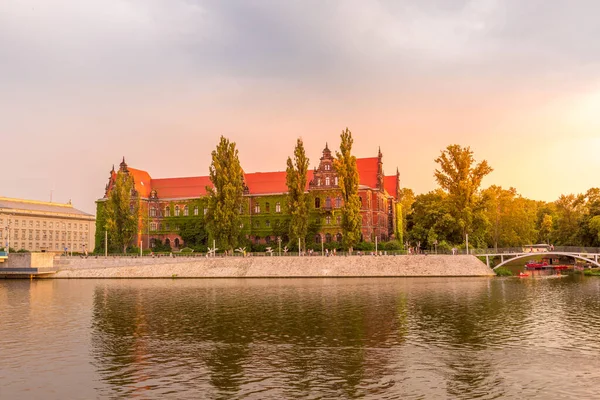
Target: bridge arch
{"x":520,"y":256}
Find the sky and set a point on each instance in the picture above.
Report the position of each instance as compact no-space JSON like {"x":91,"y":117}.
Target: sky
{"x":84,"y":83}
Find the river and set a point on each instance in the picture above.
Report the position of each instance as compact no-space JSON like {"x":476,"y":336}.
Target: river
{"x":380,"y":338}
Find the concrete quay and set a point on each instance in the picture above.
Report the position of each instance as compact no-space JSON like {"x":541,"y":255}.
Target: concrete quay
{"x":271,"y":267}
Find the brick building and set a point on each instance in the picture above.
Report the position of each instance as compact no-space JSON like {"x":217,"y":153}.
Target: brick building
{"x":167,"y":202}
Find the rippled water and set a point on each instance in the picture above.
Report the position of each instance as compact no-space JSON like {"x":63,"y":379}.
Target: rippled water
{"x":300,"y":338}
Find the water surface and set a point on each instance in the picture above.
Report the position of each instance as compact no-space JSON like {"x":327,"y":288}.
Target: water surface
{"x":382,"y":338}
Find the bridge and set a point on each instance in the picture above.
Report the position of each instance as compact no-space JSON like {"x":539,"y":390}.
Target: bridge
{"x":505,"y":258}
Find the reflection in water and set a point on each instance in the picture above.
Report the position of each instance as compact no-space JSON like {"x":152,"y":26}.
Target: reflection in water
{"x":307,"y":338}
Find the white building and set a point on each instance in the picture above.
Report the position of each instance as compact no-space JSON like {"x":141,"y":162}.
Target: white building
{"x":44,"y":226}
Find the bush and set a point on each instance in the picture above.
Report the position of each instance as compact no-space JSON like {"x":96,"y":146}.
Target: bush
{"x":392,"y":245}
{"x":503,"y":271}
{"x":365,"y":246}
{"x":186,"y":250}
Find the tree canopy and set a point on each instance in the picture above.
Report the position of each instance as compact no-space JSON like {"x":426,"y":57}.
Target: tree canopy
{"x":122,"y":209}
{"x":348,"y":180}
{"x":225,"y":197}
{"x":296,"y":176}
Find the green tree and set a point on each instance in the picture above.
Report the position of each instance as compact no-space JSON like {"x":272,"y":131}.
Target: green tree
{"x":569,"y":212}
{"x":122,"y":209}
{"x":461,"y":178}
{"x":296,"y":176}
{"x":225,"y":197}
{"x":348,"y":180}
{"x":193,"y":232}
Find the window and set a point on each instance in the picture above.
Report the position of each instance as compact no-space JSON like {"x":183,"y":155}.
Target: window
{"x":328,"y":238}
{"x":328,"y":202}
{"x":153,"y":226}
{"x":16,"y":222}
{"x":268,"y":239}
{"x":51,"y":224}
{"x":31,"y":224}
{"x":328,"y":220}
{"x":43,"y":224}
{"x":335,"y":181}
{"x":205,"y":210}
{"x":268,"y":223}
{"x":338,"y":219}
{"x":167,"y":211}
{"x":257,"y":224}
{"x":278,"y":207}
{"x":37,"y":235}
{"x":195,"y":210}
{"x":319,"y":182}
{"x":338,"y":202}
{"x":44,"y":235}
{"x":338,"y":237}
{"x":69,"y":225}
{"x":327,"y":167}
{"x":317,"y":202}
{"x":257,"y":208}
{"x":267,"y":207}
{"x":327,"y":181}
{"x":177,"y":211}
{"x":16,"y":235}
{"x":153,"y":212}
{"x":317,"y":238}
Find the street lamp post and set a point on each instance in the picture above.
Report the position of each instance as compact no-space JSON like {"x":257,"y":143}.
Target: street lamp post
{"x":279,"y":243}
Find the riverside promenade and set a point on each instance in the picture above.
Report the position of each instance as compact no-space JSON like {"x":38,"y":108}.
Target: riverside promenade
{"x":270,"y":267}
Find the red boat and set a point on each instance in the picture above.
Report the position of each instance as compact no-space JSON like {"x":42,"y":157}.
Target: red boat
{"x":536,"y":264}
{"x":560,"y":267}
{"x":522,"y":274}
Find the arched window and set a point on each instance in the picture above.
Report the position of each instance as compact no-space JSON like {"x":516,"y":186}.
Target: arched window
{"x":317,"y":238}
{"x":277,"y":207}
{"x":268,"y":239}
{"x":319,"y":182}
{"x":257,"y":239}
{"x":338,"y":237}
{"x":176,"y":242}
{"x":167,"y":242}
{"x":267,"y":207}
{"x":335,"y":181}
{"x":256,"y":208}
{"x":186,"y":211}
{"x":327,"y":181}
{"x":338,"y":202}
{"x":167,"y":211}
{"x":317,"y":202}
{"x":177,"y":211}
{"x":328,"y":238}
{"x":153,"y":212}
{"x":195,"y":210}
{"x":328,"y":202}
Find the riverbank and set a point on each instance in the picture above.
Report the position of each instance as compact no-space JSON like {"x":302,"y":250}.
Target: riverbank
{"x":271,"y":267}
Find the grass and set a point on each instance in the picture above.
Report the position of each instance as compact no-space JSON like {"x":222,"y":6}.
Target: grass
{"x":592,"y":272}
{"x":503,"y":271}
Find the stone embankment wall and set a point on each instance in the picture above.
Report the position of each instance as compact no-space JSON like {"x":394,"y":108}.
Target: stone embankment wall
{"x":28,"y":260}
{"x":272,"y":267}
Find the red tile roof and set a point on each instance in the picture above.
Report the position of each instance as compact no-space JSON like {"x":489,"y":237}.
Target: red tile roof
{"x":173,"y":188}
{"x":270,"y":182}
{"x":257,"y":182}
{"x":142,"y":181}
{"x":367,"y":171}
{"x":390,"y":183}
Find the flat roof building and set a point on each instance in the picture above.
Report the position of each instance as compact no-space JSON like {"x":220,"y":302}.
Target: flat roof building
{"x":44,"y":226}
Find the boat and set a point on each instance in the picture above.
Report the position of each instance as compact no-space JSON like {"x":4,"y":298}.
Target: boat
{"x":560,"y":267}
{"x":536,"y":264}
{"x":522,"y":274}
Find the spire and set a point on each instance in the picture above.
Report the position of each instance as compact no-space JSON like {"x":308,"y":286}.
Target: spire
{"x":379,"y":155}
{"x":123,"y":165}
